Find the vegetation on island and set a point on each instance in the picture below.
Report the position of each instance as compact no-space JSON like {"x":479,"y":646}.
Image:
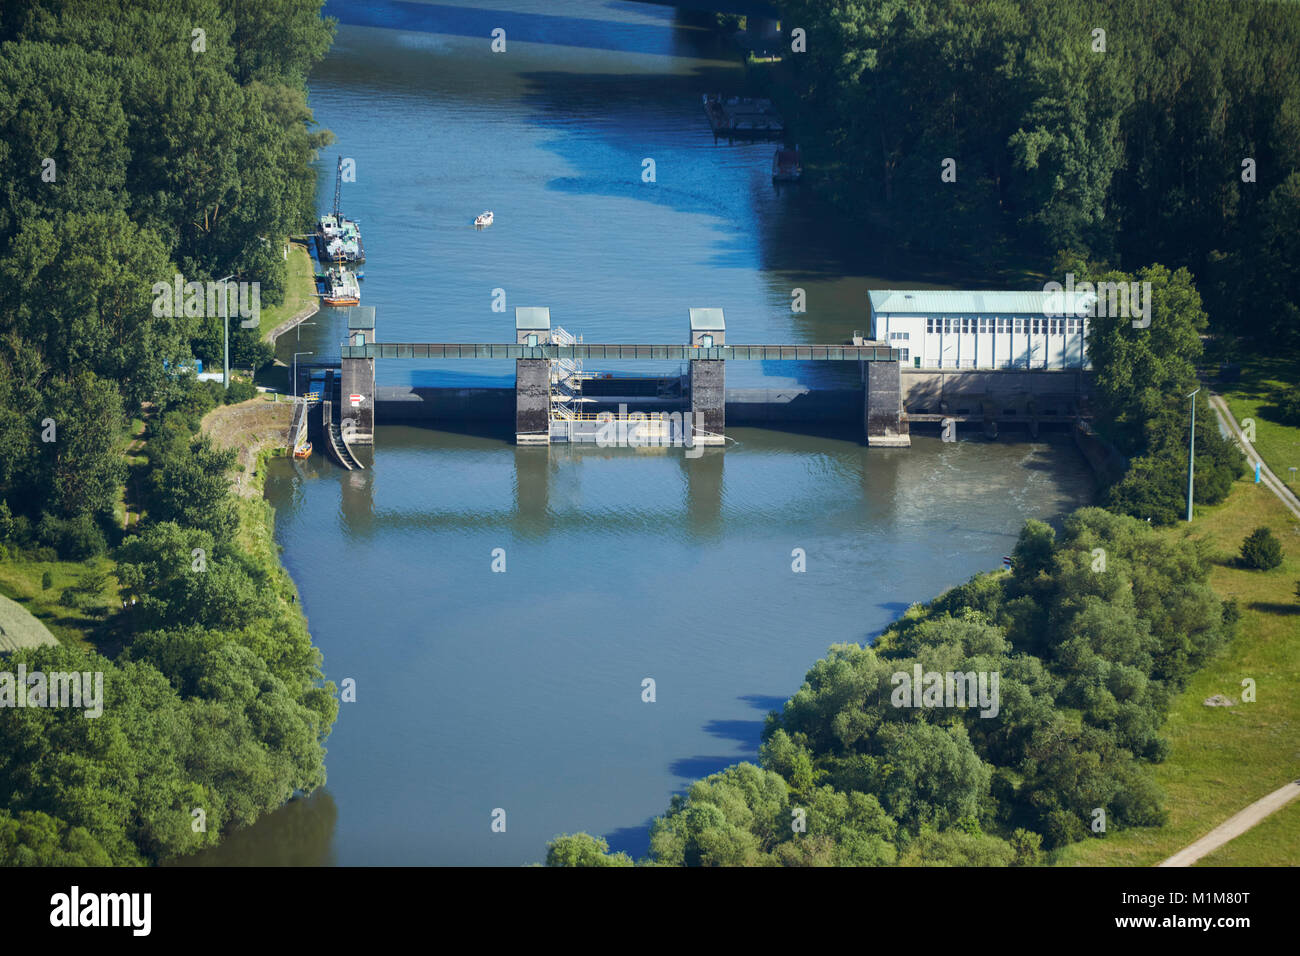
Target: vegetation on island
{"x":139,"y":141}
{"x":1092,"y":635}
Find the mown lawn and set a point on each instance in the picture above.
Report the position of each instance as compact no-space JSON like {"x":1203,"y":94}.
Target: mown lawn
{"x":300,"y":291}
{"x":1224,"y":758}
{"x":1250,"y":398}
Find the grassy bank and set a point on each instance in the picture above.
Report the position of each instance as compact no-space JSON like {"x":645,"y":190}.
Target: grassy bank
{"x":256,"y":430}
{"x":21,"y":579}
{"x":1251,"y":397}
{"x":1224,"y":758}
{"x":256,"y":538}
{"x":300,"y":290}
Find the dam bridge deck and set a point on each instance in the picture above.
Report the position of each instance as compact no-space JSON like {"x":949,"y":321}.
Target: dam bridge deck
{"x":595,"y":352}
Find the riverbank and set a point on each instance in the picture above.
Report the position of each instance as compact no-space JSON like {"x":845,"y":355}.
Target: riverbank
{"x":252,"y":429}
{"x":1222,"y":759}
{"x":300,"y":299}
{"x":256,"y":430}
{"x":36,"y":579}
{"x":973,"y":264}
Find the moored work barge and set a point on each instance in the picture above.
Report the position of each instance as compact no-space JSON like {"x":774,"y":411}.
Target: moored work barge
{"x":743,"y":118}
{"x":338,"y":239}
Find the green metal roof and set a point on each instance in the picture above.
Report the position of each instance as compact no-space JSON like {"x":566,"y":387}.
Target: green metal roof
{"x":361,"y":317}
{"x":532,"y":317}
{"x":922,"y":301}
{"x":707,"y":320}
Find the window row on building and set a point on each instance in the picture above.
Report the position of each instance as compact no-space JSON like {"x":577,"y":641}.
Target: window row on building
{"x":1002,"y":324}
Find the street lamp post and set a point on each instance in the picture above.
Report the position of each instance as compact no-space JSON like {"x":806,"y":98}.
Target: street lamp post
{"x":299,"y":329}
{"x":225,"y":324}
{"x":1191,"y":456}
{"x":295,"y":370}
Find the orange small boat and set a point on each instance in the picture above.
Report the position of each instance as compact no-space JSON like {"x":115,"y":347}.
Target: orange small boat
{"x":303,"y":451}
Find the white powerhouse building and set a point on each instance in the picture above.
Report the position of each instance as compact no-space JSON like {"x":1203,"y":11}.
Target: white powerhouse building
{"x":983,"y":330}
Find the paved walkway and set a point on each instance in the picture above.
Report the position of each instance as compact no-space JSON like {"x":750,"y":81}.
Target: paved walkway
{"x":1275,"y":484}
{"x":1235,"y":826}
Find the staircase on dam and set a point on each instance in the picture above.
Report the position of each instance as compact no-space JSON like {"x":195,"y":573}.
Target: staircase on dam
{"x":567,"y":377}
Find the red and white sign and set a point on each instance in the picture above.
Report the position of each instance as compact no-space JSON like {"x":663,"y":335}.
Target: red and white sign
{"x":355,"y":400}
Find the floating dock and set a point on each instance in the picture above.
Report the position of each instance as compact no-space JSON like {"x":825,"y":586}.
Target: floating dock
{"x":739,"y":117}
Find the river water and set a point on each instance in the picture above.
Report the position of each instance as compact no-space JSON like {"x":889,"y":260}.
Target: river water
{"x":521,"y":690}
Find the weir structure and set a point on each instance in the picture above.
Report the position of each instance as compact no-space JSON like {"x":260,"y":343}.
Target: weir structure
{"x":547,"y":361}
{"x":357,"y":381}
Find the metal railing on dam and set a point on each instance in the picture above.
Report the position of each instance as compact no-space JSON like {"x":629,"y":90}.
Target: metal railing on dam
{"x":584,"y":352}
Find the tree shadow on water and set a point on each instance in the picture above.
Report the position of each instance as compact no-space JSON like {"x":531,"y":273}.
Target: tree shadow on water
{"x":764,"y":702}
{"x":635,"y":840}
{"x":744,"y":732}
{"x":697,"y":768}
{"x":301,"y":833}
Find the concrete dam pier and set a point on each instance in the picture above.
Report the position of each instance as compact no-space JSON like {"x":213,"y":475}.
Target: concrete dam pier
{"x":556,"y":399}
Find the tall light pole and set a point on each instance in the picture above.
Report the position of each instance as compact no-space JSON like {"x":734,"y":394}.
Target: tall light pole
{"x":225,"y":324}
{"x":1191,"y":456}
{"x":299,"y":328}
{"x":295,"y":370}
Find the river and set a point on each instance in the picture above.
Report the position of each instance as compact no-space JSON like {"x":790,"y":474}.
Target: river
{"x":522,"y":690}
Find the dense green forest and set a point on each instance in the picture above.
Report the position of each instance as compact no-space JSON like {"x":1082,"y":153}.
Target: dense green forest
{"x":139,"y":140}
{"x":1126,"y":147}
{"x":1089,"y":653}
